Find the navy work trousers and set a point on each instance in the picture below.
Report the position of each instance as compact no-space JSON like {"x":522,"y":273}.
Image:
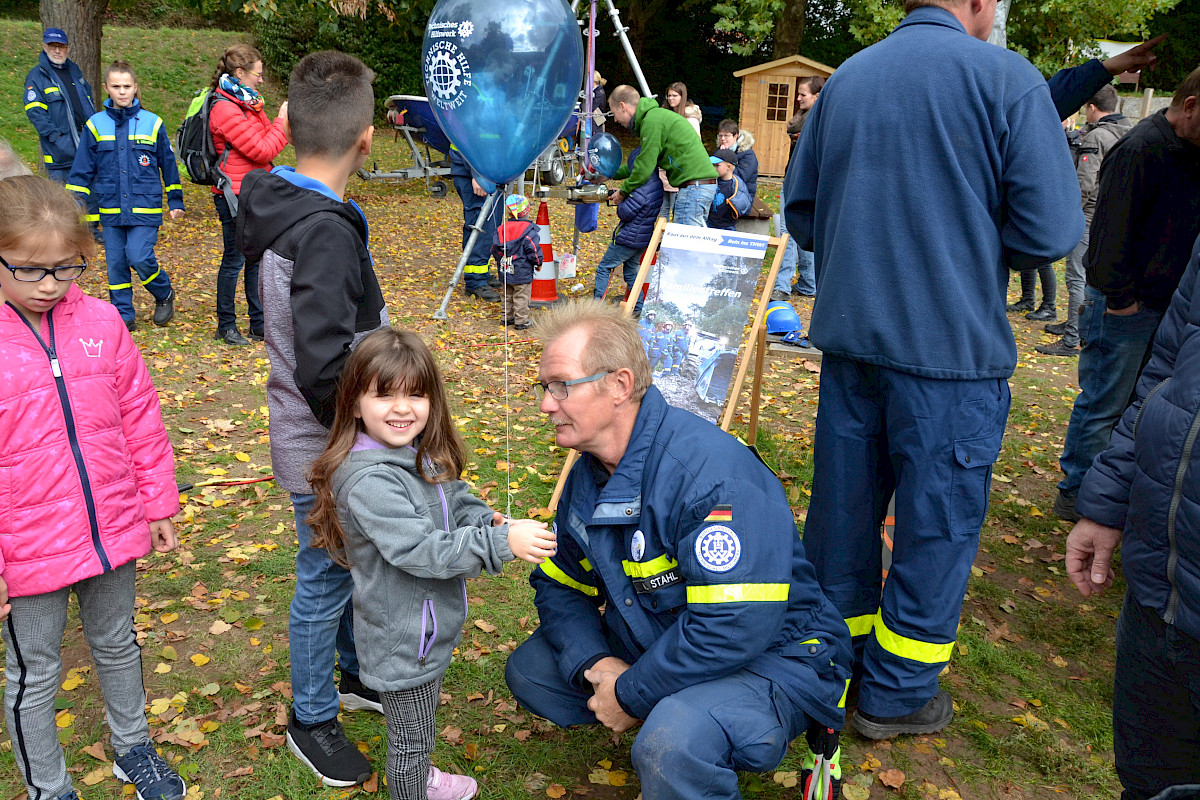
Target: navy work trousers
{"x":475,"y":275}
{"x":932,"y":443}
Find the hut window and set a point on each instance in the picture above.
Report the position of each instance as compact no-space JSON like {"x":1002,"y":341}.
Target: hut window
{"x":778,"y":101}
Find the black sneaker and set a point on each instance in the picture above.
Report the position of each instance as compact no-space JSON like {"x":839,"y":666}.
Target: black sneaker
{"x":1064,"y":506}
{"x":522,"y":326}
{"x":484,"y":293}
{"x":356,"y":697}
{"x":255,"y":334}
{"x":130,"y":325}
{"x":149,"y":773}
{"x":164,"y":310}
{"x":231,"y":336}
{"x":1020,"y":305}
{"x":780,"y":295}
{"x":1043,"y":313}
{"x":1056,"y":328}
{"x":935,"y":715}
{"x":1057,"y":349}
{"x":494,"y":281}
{"x":325,"y":750}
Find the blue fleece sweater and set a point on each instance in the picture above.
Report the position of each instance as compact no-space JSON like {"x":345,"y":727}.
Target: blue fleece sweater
{"x":916,"y":221}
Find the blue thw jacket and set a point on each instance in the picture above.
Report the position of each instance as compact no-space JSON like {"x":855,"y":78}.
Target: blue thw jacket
{"x":1148,"y":480}
{"x":122,"y":154}
{"x":732,"y":200}
{"x":691,"y":548}
{"x":516,"y":248}
{"x":639,"y":211}
{"x":48,"y":109}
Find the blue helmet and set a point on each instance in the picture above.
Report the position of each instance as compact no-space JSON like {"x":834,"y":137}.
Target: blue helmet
{"x":782,"y":318}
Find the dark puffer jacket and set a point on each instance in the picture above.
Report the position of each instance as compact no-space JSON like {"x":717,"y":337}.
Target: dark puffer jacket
{"x":639,"y":211}
{"x":1148,"y":480}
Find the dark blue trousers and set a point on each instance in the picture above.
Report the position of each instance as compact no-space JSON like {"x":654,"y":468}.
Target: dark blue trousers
{"x":693,"y":741}
{"x":932,"y":443}
{"x":128,"y":246}
{"x":476,"y":273}
{"x":1156,"y":704}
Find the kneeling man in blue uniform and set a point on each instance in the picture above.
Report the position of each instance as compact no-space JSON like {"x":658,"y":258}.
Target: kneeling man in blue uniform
{"x":714,"y":634}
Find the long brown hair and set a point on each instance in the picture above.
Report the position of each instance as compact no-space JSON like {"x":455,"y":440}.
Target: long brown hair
{"x":392,"y":360}
{"x":681,"y":90}
{"x":36,"y":209}
{"x":238,"y":56}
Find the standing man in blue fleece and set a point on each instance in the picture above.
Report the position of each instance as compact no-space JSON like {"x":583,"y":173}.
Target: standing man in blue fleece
{"x":680,"y":594}
{"x":477,"y":280}
{"x":914,"y":396}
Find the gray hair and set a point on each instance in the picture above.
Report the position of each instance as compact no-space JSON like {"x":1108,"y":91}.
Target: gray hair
{"x":10,"y":163}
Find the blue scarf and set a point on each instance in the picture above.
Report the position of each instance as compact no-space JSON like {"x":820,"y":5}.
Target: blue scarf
{"x":242,"y":93}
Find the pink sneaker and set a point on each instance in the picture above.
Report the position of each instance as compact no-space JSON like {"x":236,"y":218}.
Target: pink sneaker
{"x":448,"y":786}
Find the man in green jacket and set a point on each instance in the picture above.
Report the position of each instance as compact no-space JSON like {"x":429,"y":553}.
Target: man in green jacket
{"x":670,"y":143}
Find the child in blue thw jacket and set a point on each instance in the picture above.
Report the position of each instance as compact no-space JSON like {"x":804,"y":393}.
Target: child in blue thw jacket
{"x":732,"y":199}
{"x":516,"y":248}
{"x":122,"y":153}
{"x":637,"y":213}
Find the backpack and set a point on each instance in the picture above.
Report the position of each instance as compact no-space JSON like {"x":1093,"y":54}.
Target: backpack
{"x":194,"y":147}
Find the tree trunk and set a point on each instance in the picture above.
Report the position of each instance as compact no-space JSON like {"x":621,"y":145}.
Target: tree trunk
{"x":83,"y":20}
{"x":999,"y":34}
{"x":789,"y":29}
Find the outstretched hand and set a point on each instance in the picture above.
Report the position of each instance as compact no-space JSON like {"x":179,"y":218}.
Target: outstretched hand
{"x":531,"y":540}
{"x":1090,"y":548}
{"x":1135,"y":59}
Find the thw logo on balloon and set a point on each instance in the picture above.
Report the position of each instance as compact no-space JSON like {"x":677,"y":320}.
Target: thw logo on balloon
{"x":448,"y":73}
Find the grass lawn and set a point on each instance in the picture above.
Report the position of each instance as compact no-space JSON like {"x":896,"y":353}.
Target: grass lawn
{"x":1031,"y":669}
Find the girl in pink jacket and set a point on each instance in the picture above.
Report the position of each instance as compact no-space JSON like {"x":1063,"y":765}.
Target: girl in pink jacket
{"x":87,"y":486}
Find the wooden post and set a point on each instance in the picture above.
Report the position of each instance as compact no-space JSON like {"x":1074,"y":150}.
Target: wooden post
{"x":780,"y":243}
{"x":1147,"y":99}
{"x":760,"y":348}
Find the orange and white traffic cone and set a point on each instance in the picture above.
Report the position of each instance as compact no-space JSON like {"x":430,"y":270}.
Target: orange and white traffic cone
{"x":545,"y":283}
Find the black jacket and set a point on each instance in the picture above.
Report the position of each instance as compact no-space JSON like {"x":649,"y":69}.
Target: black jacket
{"x":1147,"y":216}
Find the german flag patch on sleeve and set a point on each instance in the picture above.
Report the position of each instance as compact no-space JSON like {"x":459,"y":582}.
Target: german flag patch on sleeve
{"x":720,"y":514}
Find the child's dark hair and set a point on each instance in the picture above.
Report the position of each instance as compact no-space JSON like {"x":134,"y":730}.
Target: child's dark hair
{"x":238,"y":56}
{"x":330,"y":103}
{"x":36,"y":209}
{"x":390,"y":360}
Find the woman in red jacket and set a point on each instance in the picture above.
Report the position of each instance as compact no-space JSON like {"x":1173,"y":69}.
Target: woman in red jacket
{"x":243,"y":127}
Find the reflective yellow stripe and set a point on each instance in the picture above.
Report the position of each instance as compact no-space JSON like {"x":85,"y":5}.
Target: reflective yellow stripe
{"x":638,"y":569}
{"x":50,"y":89}
{"x":96,"y":133}
{"x":913,"y":650}
{"x":91,"y":217}
{"x":471,"y":269}
{"x":154,"y":133}
{"x":152,"y":277}
{"x":846,"y":691}
{"x":48,"y":159}
{"x":147,"y":211}
{"x":174,"y":186}
{"x":70,"y":187}
{"x":110,"y":211}
{"x":551,"y":570}
{"x":112,"y":288}
{"x":738,"y":593}
{"x":36,"y":105}
{"x":587,"y":565}
{"x":860,"y":626}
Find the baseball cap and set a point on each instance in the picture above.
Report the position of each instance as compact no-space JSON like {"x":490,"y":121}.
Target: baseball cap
{"x":517,"y":204}
{"x":54,"y":36}
{"x":724,"y":154}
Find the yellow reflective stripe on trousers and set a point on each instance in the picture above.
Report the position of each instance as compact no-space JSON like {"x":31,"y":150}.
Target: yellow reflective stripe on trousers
{"x":860,"y":626}
{"x":644,"y":569}
{"x":152,"y":277}
{"x":474,"y":269}
{"x":70,"y":187}
{"x":112,"y":288}
{"x":912,"y":649}
{"x":36,"y":105}
{"x":551,"y":570}
{"x":738,"y":593}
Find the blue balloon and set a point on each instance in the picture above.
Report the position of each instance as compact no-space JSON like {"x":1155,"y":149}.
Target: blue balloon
{"x":502,"y":77}
{"x":604,"y":154}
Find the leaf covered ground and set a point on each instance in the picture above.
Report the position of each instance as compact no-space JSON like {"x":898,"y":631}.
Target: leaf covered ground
{"x":1031,"y":669}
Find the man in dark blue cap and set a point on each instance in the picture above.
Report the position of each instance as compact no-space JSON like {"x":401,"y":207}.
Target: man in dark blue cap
{"x":58,"y":101}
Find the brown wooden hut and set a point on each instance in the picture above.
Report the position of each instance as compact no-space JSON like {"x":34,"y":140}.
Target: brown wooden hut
{"x":768,"y":102}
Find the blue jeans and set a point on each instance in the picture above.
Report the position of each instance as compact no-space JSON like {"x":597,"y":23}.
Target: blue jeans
{"x":1114,"y":351}
{"x":1156,"y":704}
{"x":1076,"y":278}
{"x":475,"y":275}
{"x":692,"y":204}
{"x":133,"y":245}
{"x":693,"y":740}
{"x":795,"y":263}
{"x":320,"y":624}
{"x":668,"y":206}
{"x":932,"y":444}
{"x":619,"y":254}
{"x":232,"y":262}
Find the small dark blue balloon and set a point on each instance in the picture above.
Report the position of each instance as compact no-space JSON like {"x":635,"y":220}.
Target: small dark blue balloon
{"x":502,"y":77}
{"x":604,"y":154}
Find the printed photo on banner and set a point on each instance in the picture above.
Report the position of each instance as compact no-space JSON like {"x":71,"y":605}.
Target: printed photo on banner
{"x":696,"y":312}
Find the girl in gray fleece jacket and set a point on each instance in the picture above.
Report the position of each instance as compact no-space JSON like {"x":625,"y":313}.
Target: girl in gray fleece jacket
{"x":390,"y":507}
